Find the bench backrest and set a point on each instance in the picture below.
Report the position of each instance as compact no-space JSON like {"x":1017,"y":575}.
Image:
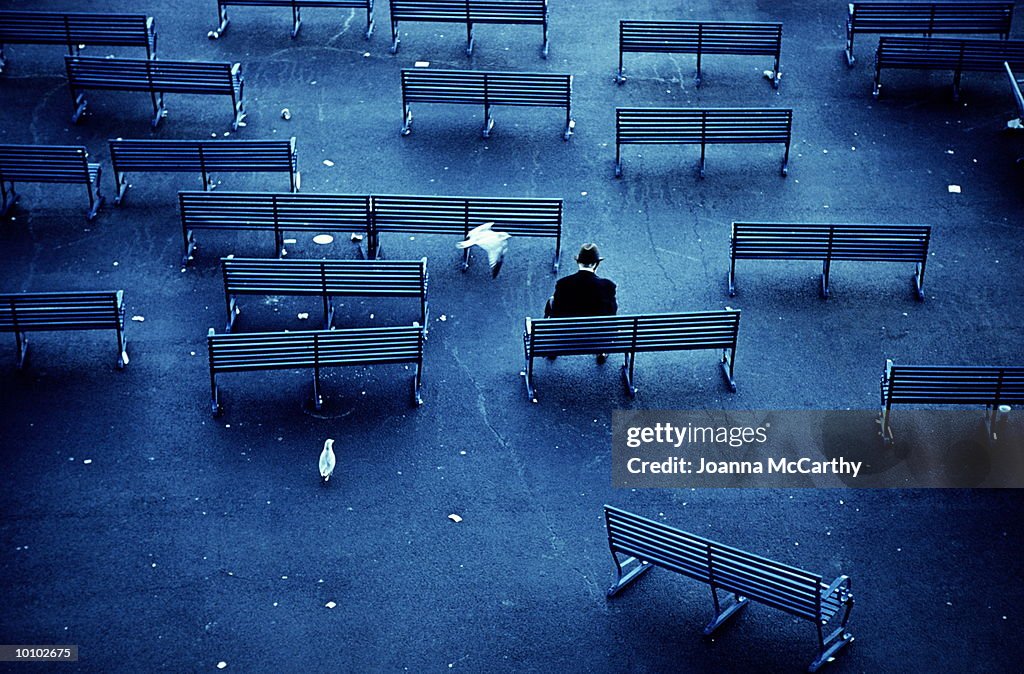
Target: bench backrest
{"x":633,"y":333}
{"x":692,"y":37}
{"x":781,"y":586}
{"x":1015,"y":87}
{"x":187,"y":77}
{"x":195,"y":156}
{"x":88,"y":310}
{"x":362,"y":278}
{"x":782,"y":241}
{"x":44,"y":164}
{"x":73,"y":29}
{"x":700,"y":126}
{"x":241,"y":352}
{"x":493,"y":88}
{"x":954,"y":54}
{"x":952,"y":384}
{"x":275,"y":210}
{"x":475,"y":11}
{"x":458,"y":215}
{"x":299,"y":3}
{"x":932,"y":17}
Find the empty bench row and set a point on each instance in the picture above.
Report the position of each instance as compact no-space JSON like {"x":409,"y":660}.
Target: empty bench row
{"x":71,"y":165}
{"x":957,"y":56}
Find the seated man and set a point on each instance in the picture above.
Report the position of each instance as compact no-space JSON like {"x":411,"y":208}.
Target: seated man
{"x":583,"y":293}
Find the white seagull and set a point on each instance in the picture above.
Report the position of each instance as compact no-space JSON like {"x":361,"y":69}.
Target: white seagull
{"x":327,"y":460}
{"x":495,"y":243}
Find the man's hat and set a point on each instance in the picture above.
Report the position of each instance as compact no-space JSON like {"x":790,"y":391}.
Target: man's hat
{"x":588,"y":255}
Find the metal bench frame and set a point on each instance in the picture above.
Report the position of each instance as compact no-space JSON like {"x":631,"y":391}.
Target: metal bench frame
{"x":690,"y":126}
{"x":744,"y":576}
{"x":74,"y":169}
{"x":325,"y":279}
{"x":700,"y":38}
{"x":469,"y":12}
{"x":314,"y":349}
{"x":959,"y":56}
{"x":1017,"y":97}
{"x":156,"y":78}
{"x":74,"y":29}
{"x":296,"y":7}
{"x":78,"y":310}
{"x":209,"y":156}
{"x":926,"y":18}
{"x":488,"y":89}
{"x":632,"y":334}
{"x":827,"y":242}
{"x":986,"y":385}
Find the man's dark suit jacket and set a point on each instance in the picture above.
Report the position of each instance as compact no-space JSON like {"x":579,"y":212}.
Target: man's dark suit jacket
{"x":584,"y":294}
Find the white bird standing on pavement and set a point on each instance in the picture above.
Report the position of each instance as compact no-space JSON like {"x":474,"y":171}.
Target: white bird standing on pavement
{"x":495,"y":243}
{"x":327,"y":460}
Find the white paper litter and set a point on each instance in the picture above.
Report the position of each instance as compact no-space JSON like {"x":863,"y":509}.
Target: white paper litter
{"x":221,"y":664}
{"x":323,"y":239}
{"x":455,"y":518}
{"x":328,"y":163}
{"x":286,"y":114}
{"x":303,"y":316}
{"x":356,"y":237}
{"x":87,"y":461}
{"x":138,"y":318}
{"x":289,"y":242}
{"x":442,"y":318}
{"x":954,"y":189}
{"x":422,"y":64}
{"x":330,"y":604}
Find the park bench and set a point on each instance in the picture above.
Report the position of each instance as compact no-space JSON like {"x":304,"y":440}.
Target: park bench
{"x":157,"y":78}
{"x":960,"y":56}
{"x":630,"y":335}
{"x":700,"y":38}
{"x":21,"y":313}
{"x":315,"y":349}
{"x":205,"y":157}
{"x":48,"y":164}
{"x":74,"y":30}
{"x":325,"y":279}
{"x":830,"y":242}
{"x":692,"y":126}
{"x":926,"y":18}
{"x":742,"y":575}
{"x":296,"y":7}
{"x":990,"y":386}
{"x":469,"y":12}
{"x":271,"y":212}
{"x":488,"y":89}
{"x":455,"y":216}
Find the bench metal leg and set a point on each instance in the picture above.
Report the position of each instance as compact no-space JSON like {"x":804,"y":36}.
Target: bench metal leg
{"x":318,"y":401}
{"x":886,"y":428}
{"x":918,"y":279}
{"x":731,"y":278}
{"x":826,"y":268}
{"x":81,"y":103}
{"x":699,"y":76}
{"x":328,"y":312}
{"x":406,"y":120}
{"x":296,"y":20}
{"x":239,"y":106}
{"x":95,"y":197}
{"x":531,"y":392}
{"x":784,"y":170}
{"x":956,"y":85}
{"x":394,"y":37}
{"x":21,"y":339}
{"x":122,"y":346}
{"x":417,"y":386}
{"x":728,"y":363}
{"x":558,"y":256}
{"x":222,"y":13}
{"x":121,"y":183}
{"x":488,"y":122}
{"x":9,"y":196}
{"x":723,"y":614}
{"x":620,"y":76}
{"x":3,"y":58}
{"x":159,"y":111}
{"x":627,"y":373}
{"x":469,"y":38}
{"x":849,"y":45}
{"x":190,"y":247}
{"x":369,"y":20}
{"x":570,"y":124}
{"x":618,"y":160}
{"x":623,"y":580}
{"x":233,"y":311}
{"x":703,"y":154}
{"x":775,"y":74}
{"x":215,"y":407}
{"x":544,"y":48}
{"x":835,"y":642}
{"x":877,"y":90}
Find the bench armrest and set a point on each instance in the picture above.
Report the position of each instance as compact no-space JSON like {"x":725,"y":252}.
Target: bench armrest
{"x":840,"y":588}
